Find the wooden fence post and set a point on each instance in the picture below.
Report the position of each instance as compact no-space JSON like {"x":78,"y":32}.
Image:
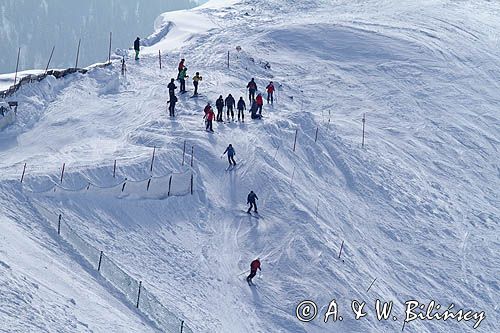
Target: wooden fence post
{"x":114,"y":170}
{"x":50,"y":58}
{"x":59,"y":225}
{"x":139,"y":294}
{"x":169,"y":185}
{"x":182,"y":325}
{"x":149,"y":183}
{"x":100,"y":261}
{"x":341,"y":247}
{"x":17,"y":65}
{"x":159,"y":57}
{"x":153,"y":159}
{"x":363,"y":140}
{"x":295,"y":139}
{"x":77,"y":53}
{"x":227,"y":59}
{"x":24,"y":169}
{"x":109,"y":50}
{"x":123,"y":187}
{"x":316,"y":135}
{"x":62,"y":172}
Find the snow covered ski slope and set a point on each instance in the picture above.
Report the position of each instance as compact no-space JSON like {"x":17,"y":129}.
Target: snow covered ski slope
{"x":411,"y":215}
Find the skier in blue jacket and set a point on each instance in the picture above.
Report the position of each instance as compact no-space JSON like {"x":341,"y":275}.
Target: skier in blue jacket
{"x":230,"y":154}
{"x":251,"y":200}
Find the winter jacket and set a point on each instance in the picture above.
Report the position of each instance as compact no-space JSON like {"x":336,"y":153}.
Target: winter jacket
{"x":197,"y":78}
{"x":171,"y":87}
{"x":137,"y":45}
{"x":183,"y":74}
{"x":229,"y":102}
{"x":259,"y":100}
{"x":173,"y":99}
{"x":181,"y":66}
{"x":270,"y":88}
{"x":210,"y":115}
{"x":219,"y":103}
{"x":251,"y":197}
{"x":241,"y":105}
{"x":230,"y":151}
{"x":252,"y":85}
{"x":255,"y":265}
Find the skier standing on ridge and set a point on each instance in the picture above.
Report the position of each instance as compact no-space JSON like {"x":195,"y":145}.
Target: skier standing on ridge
{"x":270,"y":92}
{"x":230,"y":154}
{"x":230,"y":102}
{"x":252,"y":88}
{"x":182,"y":78}
{"x":219,"y":104}
{"x":260,"y":101}
{"x":196,"y":79}
{"x":209,"y":117}
{"x":254,"y":265}
{"x":251,"y":200}
{"x":241,"y":106}
{"x":180,"y":67}
{"x":171,"y":87}
{"x":137,"y":47}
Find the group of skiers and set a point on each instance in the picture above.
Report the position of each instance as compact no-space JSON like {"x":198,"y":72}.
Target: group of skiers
{"x":230,"y":103}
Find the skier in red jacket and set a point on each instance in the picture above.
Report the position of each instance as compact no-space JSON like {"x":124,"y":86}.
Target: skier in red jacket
{"x":253,"y":270}
{"x":209,"y":117}
{"x":270,"y":92}
{"x":260,"y":101}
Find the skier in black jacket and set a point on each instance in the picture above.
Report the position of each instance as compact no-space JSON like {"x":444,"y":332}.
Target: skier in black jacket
{"x":219,"y":104}
{"x":171,"y":107}
{"x":137,"y":47}
{"x":251,"y":200}
{"x":230,"y":102}
{"x":171,"y":87}
{"x":241,"y":107}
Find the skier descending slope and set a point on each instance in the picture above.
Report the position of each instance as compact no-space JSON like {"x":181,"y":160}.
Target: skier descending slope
{"x":251,"y":200}
{"x":253,"y":271}
{"x":241,"y":107}
{"x":137,"y":47}
{"x":230,"y":155}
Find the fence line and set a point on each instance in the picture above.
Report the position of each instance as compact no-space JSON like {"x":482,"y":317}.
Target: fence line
{"x":134,"y":291}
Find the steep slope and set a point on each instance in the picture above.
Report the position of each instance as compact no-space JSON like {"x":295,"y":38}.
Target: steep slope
{"x":416,"y":208}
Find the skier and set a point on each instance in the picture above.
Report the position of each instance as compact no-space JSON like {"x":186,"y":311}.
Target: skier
{"x":254,"y":265}
{"x":230,"y":154}
{"x":241,"y":106}
{"x":251,"y":200}
{"x":209,"y":117}
{"x":253,"y":110}
{"x":252,"y":88}
{"x":219,"y":104}
{"x":260,"y":101}
{"x":230,"y":102}
{"x":270,"y":92}
{"x":171,"y":87}
{"x":137,"y":47}
{"x":196,"y":79}
{"x":182,"y":78}
{"x":171,"y":108}
{"x":180,"y":67}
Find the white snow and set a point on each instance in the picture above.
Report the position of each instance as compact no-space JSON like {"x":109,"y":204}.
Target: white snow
{"x":417,"y":208}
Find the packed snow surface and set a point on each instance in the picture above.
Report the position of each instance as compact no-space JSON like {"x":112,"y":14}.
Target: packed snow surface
{"x":413,"y":214}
